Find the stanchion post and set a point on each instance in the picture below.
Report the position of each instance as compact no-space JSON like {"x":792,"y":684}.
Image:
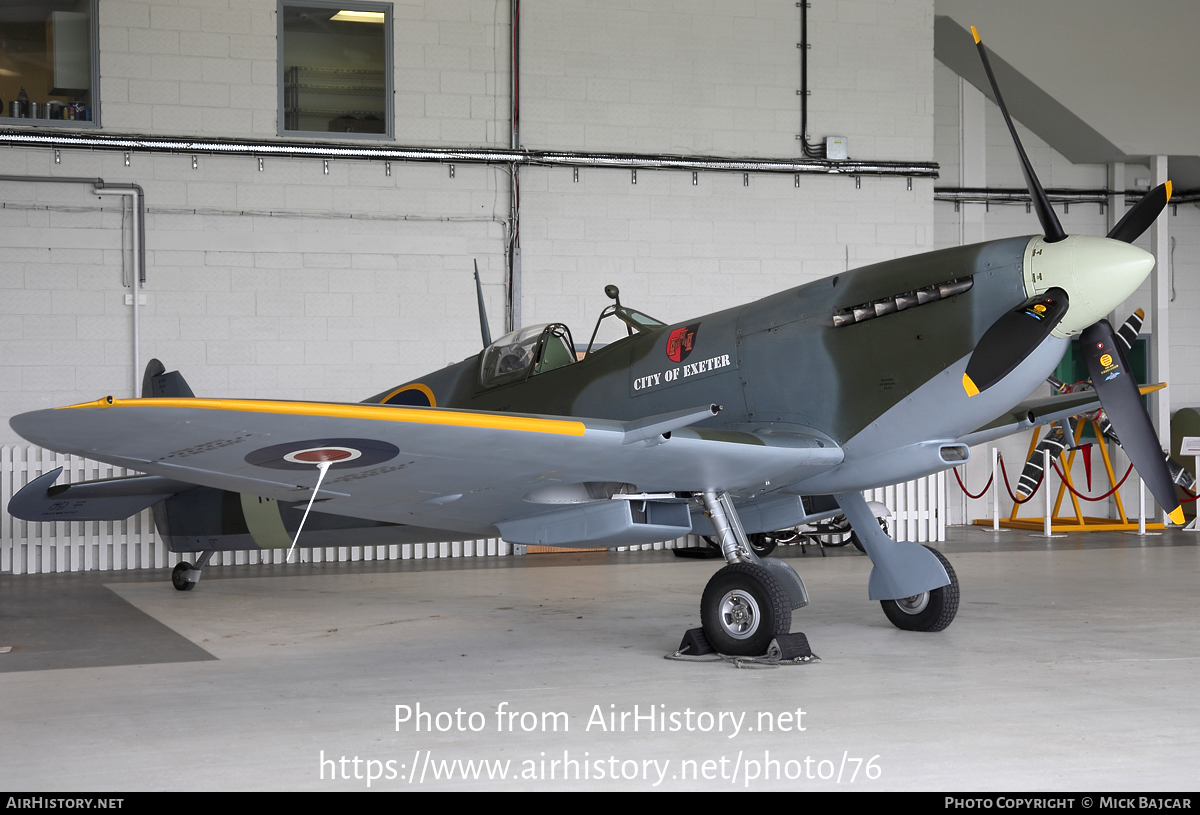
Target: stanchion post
{"x":1195,"y":524}
{"x":1047,"y":529}
{"x":962,"y":478}
{"x":995,"y":491}
{"x":1141,"y":506}
{"x":1142,"y":533}
{"x":1046,"y":484}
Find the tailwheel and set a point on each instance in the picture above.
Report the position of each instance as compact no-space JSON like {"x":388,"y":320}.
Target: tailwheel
{"x":929,"y":610}
{"x":743,"y":608}
{"x":179,"y":576}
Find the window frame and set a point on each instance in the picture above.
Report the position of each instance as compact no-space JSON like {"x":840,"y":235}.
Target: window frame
{"x":389,"y":90}
{"x":94,"y":60}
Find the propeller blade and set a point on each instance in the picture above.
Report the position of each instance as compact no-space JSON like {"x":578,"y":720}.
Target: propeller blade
{"x":1142,"y":214}
{"x":1013,"y":337}
{"x":1129,"y":330}
{"x":1056,"y":442}
{"x":1118,"y":392}
{"x":1050,"y":225}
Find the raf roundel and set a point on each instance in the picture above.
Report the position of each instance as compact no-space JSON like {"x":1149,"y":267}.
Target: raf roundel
{"x":305,"y":454}
{"x":319,"y":455}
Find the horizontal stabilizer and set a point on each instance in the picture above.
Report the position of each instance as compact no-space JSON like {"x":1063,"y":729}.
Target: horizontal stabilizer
{"x":113,"y":499}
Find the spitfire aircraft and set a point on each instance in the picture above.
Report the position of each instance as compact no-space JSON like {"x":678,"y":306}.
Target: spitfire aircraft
{"x":748,"y":420}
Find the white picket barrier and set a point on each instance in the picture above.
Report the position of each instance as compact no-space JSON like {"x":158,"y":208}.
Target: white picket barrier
{"x":30,"y":548}
{"x":918,"y":509}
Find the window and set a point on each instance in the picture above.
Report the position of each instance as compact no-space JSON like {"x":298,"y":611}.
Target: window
{"x":335,"y":69}
{"x":48,"y":64}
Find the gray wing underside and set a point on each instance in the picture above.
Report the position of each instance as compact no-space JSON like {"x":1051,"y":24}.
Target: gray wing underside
{"x":463,"y":479}
{"x":1034,"y":412}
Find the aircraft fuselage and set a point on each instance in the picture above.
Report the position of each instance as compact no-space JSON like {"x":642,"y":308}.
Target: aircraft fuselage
{"x":832,"y":356}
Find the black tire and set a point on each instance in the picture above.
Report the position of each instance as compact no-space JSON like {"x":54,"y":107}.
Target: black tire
{"x":762,"y":543}
{"x":178,"y":580}
{"x":928,"y":611}
{"x":743,"y":608}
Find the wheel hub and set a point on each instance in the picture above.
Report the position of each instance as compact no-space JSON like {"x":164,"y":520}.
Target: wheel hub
{"x":740,"y":615}
{"x":915,"y":604}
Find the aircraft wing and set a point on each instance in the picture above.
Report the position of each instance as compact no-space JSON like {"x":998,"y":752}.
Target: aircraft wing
{"x":464,"y":471}
{"x":1040,"y":411}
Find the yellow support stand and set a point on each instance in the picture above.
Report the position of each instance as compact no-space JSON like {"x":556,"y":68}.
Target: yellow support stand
{"x":1078,"y":522}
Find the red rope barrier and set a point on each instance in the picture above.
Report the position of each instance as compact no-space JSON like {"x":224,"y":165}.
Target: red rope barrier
{"x":1079,"y":494}
{"x":1007,"y":486}
{"x":982,"y":493}
{"x":1192,"y":496}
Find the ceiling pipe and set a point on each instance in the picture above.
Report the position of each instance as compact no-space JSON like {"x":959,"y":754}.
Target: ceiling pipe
{"x":481,"y":155}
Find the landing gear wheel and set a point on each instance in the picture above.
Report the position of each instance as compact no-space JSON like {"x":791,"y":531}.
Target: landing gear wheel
{"x":929,"y":610}
{"x":743,"y":608}
{"x":179,"y":576}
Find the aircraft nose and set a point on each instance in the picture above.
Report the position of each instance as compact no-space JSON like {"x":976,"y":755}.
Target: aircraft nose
{"x":1098,"y":274}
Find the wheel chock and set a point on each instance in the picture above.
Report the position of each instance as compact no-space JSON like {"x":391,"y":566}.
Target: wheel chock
{"x":694,"y":643}
{"x":785,"y":649}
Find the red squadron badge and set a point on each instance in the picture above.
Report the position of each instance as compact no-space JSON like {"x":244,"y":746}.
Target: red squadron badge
{"x":680,"y":342}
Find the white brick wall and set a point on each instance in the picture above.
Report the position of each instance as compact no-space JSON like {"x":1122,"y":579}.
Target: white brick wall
{"x":722,"y":77}
{"x":334,"y":296}
{"x":679,"y":250}
{"x":596,"y":74}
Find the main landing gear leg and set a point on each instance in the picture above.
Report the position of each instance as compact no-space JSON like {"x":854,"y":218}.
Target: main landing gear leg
{"x":185,"y":576}
{"x":915,"y":584}
{"x":750,"y":601}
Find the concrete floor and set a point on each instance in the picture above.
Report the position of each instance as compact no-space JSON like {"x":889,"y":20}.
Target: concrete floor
{"x":1071,"y":666}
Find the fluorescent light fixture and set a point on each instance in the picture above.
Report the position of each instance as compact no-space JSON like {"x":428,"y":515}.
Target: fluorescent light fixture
{"x":359,"y":16}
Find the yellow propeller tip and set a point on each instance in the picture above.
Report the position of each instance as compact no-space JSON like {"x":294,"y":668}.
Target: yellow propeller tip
{"x":1176,"y":516}
{"x":1168,"y":190}
{"x":1141,"y":314}
{"x":975,"y":34}
{"x":969,"y":386}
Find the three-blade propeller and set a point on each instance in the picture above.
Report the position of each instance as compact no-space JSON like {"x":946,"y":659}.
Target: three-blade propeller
{"x":1013,"y":337}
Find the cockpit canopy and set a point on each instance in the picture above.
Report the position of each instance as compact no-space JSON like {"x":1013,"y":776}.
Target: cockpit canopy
{"x":527,"y":351}
{"x":536,"y":349}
